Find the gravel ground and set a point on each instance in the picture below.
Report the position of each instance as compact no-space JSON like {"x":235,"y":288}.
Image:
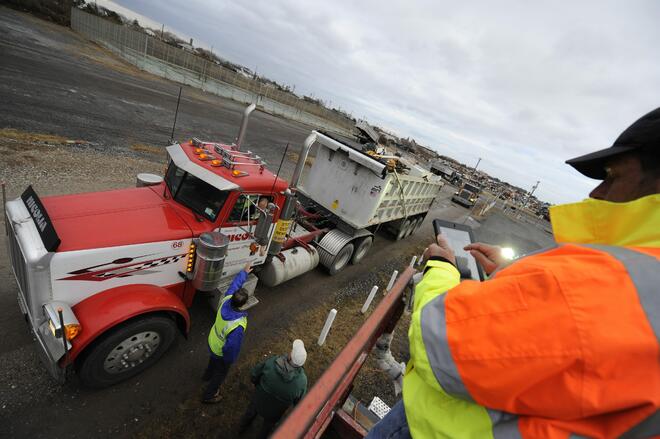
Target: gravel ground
{"x":46,"y":165}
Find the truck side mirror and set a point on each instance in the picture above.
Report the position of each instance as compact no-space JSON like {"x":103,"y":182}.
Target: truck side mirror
{"x":262,"y":230}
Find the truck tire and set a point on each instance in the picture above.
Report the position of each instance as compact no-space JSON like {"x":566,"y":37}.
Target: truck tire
{"x":126,"y":350}
{"x":411,"y":227}
{"x":417,"y":224}
{"x":341,"y":259}
{"x":363,"y":247}
{"x":403,"y":230}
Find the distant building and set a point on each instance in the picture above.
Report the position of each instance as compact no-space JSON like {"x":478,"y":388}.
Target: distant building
{"x":188,"y":47}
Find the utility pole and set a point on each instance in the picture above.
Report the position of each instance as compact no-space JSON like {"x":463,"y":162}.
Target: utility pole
{"x":528,"y":197}
{"x":476,"y":166}
{"x":532,"y":192}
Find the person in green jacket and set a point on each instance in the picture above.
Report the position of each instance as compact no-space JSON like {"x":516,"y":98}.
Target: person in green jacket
{"x":280,"y":382}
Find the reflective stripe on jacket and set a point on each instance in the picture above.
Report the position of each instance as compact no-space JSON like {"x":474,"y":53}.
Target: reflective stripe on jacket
{"x":221,"y":329}
{"x":560,"y":343}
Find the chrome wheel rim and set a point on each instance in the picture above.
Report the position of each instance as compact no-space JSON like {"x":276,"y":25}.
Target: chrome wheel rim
{"x":363,"y":249}
{"x":131,"y":352}
{"x":344,"y":256}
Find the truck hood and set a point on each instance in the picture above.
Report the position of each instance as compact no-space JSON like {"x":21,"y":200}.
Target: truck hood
{"x":113,"y":218}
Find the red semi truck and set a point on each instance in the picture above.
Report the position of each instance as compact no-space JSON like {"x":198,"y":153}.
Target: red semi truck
{"x":105,"y":279}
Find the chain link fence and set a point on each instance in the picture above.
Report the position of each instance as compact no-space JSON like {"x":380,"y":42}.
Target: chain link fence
{"x":162,"y":59}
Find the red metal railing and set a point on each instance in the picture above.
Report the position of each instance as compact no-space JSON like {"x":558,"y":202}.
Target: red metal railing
{"x":314,"y":413}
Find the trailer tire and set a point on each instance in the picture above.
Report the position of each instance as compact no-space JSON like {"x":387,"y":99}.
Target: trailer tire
{"x":417,"y":224}
{"x":363,"y":247}
{"x":141,"y":342}
{"x":404,"y":228}
{"x":341,"y":259}
{"x":411,"y":227}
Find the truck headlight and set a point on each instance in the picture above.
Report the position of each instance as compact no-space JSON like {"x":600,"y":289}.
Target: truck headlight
{"x":71,"y":325}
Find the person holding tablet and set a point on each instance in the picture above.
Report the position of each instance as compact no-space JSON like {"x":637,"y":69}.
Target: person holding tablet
{"x":562,"y":343}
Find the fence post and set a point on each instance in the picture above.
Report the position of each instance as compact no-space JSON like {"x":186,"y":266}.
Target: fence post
{"x":327,"y":326}
{"x":370,"y":298}
{"x":395,"y":273}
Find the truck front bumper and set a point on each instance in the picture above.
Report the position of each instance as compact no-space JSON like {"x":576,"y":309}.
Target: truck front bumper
{"x":462,"y":201}
{"x":50,"y":349}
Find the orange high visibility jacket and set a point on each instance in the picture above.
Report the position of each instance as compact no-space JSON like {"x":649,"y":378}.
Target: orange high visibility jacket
{"x":563,"y":343}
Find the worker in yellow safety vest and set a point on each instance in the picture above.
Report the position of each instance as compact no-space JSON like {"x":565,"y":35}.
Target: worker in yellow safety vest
{"x":561,"y":343}
{"x":226,"y":335}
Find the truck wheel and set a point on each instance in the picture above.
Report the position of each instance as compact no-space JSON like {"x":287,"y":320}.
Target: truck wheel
{"x":403,"y":230}
{"x":362,"y":249}
{"x":341,"y":259}
{"x":411,"y":227}
{"x":416,"y":224}
{"x":127,"y":350}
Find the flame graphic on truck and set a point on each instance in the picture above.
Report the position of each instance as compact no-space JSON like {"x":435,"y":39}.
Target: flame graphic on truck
{"x":138,"y":268}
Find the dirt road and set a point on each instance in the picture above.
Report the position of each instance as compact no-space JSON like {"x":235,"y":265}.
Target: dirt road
{"x":61,"y":87}
{"x":54,"y":81}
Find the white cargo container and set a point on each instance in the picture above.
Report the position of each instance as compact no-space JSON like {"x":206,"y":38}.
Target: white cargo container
{"x":360,"y":190}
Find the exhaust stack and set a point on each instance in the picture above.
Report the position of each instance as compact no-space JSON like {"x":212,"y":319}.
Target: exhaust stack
{"x":241,"y":133}
{"x":297,"y":173}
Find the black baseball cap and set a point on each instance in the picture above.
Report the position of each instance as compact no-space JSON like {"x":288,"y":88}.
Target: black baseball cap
{"x":644,"y":134}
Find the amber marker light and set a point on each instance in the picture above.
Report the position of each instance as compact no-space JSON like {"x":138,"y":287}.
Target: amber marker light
{"x":216,"y":163}
{"x":72,"y":330}
{"x":191,"y":258}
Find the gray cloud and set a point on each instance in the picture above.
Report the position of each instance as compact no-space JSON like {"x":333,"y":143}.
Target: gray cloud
{"x":522,"y":85}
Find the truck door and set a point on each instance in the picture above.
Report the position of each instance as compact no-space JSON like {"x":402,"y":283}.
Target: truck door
{"x":239,"y":226}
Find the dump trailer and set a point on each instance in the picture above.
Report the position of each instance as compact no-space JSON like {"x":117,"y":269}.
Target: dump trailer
{"x":105,"y":279}
{"x":445,"y":172}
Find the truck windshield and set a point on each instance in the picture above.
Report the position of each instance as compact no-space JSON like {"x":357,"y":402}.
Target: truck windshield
{"x":471,"y":188}
{"x":195,"y":194}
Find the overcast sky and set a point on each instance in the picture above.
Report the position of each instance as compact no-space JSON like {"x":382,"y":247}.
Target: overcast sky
{"x":522,"y":85}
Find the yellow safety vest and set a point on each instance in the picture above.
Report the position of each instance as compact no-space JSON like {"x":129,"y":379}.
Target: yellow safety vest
{"x":222,"y":328}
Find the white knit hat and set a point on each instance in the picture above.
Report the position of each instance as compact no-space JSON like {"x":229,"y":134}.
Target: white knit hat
{"x":298,"y":353}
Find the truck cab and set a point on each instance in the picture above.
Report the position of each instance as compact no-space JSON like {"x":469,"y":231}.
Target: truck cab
{"x":468,"y":194}
{"x":96,"y":270}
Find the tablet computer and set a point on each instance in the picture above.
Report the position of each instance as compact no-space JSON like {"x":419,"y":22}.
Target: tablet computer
{"x":458,"y":236}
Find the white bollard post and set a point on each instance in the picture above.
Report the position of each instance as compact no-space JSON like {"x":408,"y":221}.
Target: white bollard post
{"x":327,"y":326}
{"x":412,"y":261}
{"x":390,"y":284}
{"x":370,"y":298}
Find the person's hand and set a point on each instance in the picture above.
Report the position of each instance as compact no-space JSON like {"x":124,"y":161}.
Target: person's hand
{"x":248,"y":267}
{"x":439,"y":248}
{"x":488,"y":256}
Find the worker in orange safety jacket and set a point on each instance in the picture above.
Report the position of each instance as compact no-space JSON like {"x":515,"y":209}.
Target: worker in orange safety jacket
{"x":561,"y":343}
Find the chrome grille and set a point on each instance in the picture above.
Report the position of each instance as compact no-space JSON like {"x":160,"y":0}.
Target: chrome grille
{"x":18,"y":262}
